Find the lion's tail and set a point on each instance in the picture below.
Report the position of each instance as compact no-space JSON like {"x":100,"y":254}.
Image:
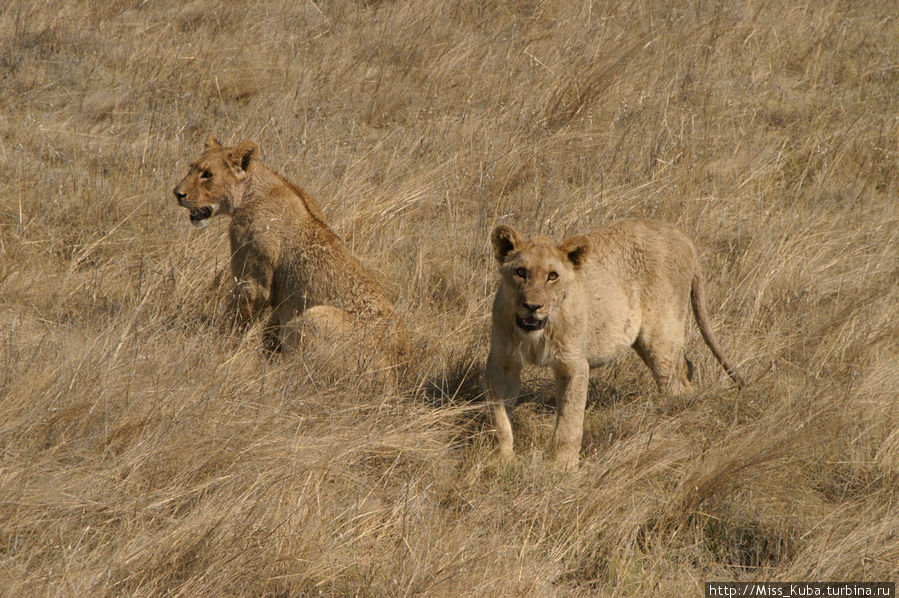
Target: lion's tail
{"x":697,"y":298}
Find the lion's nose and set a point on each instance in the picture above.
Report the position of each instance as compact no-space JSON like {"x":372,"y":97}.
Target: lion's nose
{"x":179,"y":195}
{"x":532,"y":307}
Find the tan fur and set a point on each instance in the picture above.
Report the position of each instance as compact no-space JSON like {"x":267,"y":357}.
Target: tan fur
{"x":285,"y":257}
{"x":577,"y":305}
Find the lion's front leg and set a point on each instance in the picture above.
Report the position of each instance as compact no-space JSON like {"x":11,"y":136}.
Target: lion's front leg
{"x":253,"y":270}
{"x":249,"y":300}
{"x":503,"y":384}
{"x":571,"y":400}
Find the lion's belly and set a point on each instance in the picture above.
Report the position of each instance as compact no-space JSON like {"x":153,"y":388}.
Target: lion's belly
{"x":615,"y":322}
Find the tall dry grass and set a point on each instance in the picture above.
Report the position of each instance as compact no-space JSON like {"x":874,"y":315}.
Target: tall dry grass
{"x":145,"y":450}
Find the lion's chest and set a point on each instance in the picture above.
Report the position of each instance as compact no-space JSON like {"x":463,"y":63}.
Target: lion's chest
{"x":534,"y":348}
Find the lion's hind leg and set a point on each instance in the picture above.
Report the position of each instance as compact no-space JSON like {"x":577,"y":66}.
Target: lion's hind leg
{"x":332,"y":343}
{"x":662,"y":350}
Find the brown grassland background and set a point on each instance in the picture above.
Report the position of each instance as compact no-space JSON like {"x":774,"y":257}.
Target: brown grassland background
{"x":146,"y":449}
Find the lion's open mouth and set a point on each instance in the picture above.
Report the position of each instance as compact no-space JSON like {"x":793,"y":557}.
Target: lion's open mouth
{"x":530,"y":323}
{"x":197,"y":215}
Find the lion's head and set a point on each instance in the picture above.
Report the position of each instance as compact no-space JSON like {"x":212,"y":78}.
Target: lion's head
{"x":536,"y":274}
{"x":213,"y":182}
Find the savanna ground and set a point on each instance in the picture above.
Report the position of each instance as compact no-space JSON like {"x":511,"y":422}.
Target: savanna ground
{"x":145,"y":449}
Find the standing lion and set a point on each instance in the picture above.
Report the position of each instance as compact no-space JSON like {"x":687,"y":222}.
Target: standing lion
{"x":577,"y":305}
{"x":284,"y":257}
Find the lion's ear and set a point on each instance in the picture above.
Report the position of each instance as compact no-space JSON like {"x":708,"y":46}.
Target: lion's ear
{"x":242,"y":156}
{"x":576,"y":248}
{"x":211,"y":143}
{"x":505,"y":240}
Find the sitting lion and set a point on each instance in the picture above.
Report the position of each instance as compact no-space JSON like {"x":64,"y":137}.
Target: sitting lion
{"x":285,"y":257}
{"x":577,"y":305}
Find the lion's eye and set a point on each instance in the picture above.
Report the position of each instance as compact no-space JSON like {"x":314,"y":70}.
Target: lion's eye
{"x":521,"y":273}
{"x":205,"y":175}
{"x":552,"y":276}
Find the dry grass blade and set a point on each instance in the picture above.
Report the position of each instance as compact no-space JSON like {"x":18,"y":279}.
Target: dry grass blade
{"x":147,"y":449}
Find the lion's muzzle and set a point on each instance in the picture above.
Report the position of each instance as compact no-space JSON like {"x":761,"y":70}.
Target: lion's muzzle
{"x":530,"y":323}
{"x":198,"y":215}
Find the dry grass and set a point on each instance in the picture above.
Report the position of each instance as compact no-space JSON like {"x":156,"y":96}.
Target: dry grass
{"x":146,"y":451}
